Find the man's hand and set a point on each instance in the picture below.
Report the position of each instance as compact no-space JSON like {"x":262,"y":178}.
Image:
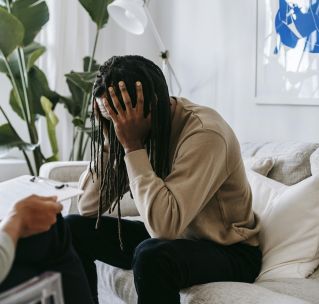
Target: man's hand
{"x":32,"y":215}
{"x":130,"y":125}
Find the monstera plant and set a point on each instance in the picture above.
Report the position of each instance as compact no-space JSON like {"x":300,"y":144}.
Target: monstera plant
{"x":30,"y":97}
{"x":80,"y":83}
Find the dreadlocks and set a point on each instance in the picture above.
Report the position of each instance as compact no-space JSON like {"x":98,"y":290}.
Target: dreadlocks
{"x":112,"y":175}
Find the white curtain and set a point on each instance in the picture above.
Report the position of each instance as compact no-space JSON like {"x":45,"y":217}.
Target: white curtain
{"x":67,"y":38}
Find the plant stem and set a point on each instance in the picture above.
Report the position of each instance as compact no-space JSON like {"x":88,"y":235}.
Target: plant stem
{"x":15,"y":87}
{"x":86,"y":101}
{"x":24,"y":86}
{"x":75,"y":135}
{"x":24,"y":153}
{"x":8,"y":6}
{"x":31,"y":127}
{"x":86,"y":98}
{"x":28,"y":162}
{"x":94,"y":49}
{"x":30,"y":122}
{"x":85,"y":144}
{"x":79,"y":155}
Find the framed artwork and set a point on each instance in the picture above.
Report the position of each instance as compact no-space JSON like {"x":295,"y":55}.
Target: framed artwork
{"x":287,"y":61}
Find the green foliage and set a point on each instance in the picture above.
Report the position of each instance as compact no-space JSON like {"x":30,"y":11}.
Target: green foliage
{"x":20,"y":22}
{"x":30,"y":97}
{"x":11,"y":33}
{"x":33,"y":14}
{"x":83,"y":80}
{"x":52,"y":121}
{"x":31,"y":53}
{"x":80,"y":83}
{"x":97,"y":10}
{"x":94,"y":66}
{"x":10,"y":139}
{"x":38,"y":87}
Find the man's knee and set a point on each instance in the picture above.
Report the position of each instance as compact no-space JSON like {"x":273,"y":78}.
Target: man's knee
{"x":152,"y":254}
{"x":75,"y":223}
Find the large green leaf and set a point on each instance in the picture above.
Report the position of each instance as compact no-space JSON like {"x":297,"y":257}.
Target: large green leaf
{"x":97,"y":10}
{"x":83,"y":80}
{"x":73,"y":105}
{"x":33,"y":14}
{"x":10,"y":139}
{"x":13,"y":100}
{"x":38,"y":86}
{"x":31,"y":53}
{"x":11,"y":32}
{"x":52,"y":121}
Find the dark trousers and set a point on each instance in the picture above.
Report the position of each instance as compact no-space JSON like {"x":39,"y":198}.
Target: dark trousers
{"x":161,"y":267}
{"x":50,"y":251}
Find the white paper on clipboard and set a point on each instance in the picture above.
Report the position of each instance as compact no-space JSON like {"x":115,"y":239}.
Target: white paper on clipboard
{"x":18,"y":188}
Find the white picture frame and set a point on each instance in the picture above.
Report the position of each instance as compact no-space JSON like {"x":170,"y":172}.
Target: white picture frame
{"x":287,"y":58}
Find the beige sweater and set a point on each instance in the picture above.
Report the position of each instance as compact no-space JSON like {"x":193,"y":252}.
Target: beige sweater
{"x":206,"y":195}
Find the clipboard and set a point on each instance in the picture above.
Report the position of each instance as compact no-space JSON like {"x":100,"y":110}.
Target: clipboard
{"x":13,"y":190}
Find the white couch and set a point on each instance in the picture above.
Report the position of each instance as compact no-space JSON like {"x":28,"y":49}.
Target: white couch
{"x":291,"y":164}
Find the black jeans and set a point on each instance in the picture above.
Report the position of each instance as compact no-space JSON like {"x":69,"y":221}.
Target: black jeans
{"x":50,"y":251}
{"x":161,"y":267}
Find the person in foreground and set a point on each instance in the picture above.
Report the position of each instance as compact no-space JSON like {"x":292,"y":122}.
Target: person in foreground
{"x":35,"y":239}
{"x":183,"y":165}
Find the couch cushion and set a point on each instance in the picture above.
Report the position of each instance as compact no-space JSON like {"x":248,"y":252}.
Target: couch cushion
{"x":261,"y":165}
{"x":116,"y":286}
{"x":314,"y":162}
{"x":305,"y":289}
{"x":292,"y":159}
{"x":289,"y":235}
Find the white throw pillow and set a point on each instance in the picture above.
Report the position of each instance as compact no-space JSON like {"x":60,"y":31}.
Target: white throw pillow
{"x":289,"y":236}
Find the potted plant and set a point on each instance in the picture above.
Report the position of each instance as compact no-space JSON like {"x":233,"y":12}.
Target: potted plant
{"x":30,"y":97}
{"x":80,"y":83}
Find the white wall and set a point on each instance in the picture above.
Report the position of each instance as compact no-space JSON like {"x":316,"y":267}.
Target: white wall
{"x":212,"y":46}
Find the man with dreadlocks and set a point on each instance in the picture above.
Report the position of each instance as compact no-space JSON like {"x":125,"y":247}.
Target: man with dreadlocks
{"x":183,"y":166}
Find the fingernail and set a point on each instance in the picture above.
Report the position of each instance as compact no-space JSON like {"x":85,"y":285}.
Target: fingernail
{"x":121,"y":84}
{"x":138,"y":83}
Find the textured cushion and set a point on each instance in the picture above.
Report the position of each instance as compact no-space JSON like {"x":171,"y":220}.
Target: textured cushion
{"x":68,"y":171}
{"x":314,"y":162}
{"x":292,"y":162}
{"x":305,"y":289}
{"x":289,"y":234}
{"x":260,"y":165}
{"x":315,"y":275}
{"x":116,"y":286}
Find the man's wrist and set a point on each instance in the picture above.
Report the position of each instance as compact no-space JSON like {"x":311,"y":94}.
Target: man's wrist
{"x":132,"y":148}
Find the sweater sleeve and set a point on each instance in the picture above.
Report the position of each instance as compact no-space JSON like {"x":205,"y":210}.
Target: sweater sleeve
{"x":168,"y":206}
{"x":7,"y":252}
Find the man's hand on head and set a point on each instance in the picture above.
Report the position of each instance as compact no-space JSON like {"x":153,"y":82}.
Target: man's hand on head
{"x":32,"y":215}
{"x":130,"y":125}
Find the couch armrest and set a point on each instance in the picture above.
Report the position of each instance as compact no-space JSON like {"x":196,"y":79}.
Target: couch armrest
{"x":36,"y":290}
{"x":68,"y":171}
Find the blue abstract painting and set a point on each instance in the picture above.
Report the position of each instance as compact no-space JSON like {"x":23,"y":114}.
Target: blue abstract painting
{"x":288,"y":51}
{"x":297,"y":20}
